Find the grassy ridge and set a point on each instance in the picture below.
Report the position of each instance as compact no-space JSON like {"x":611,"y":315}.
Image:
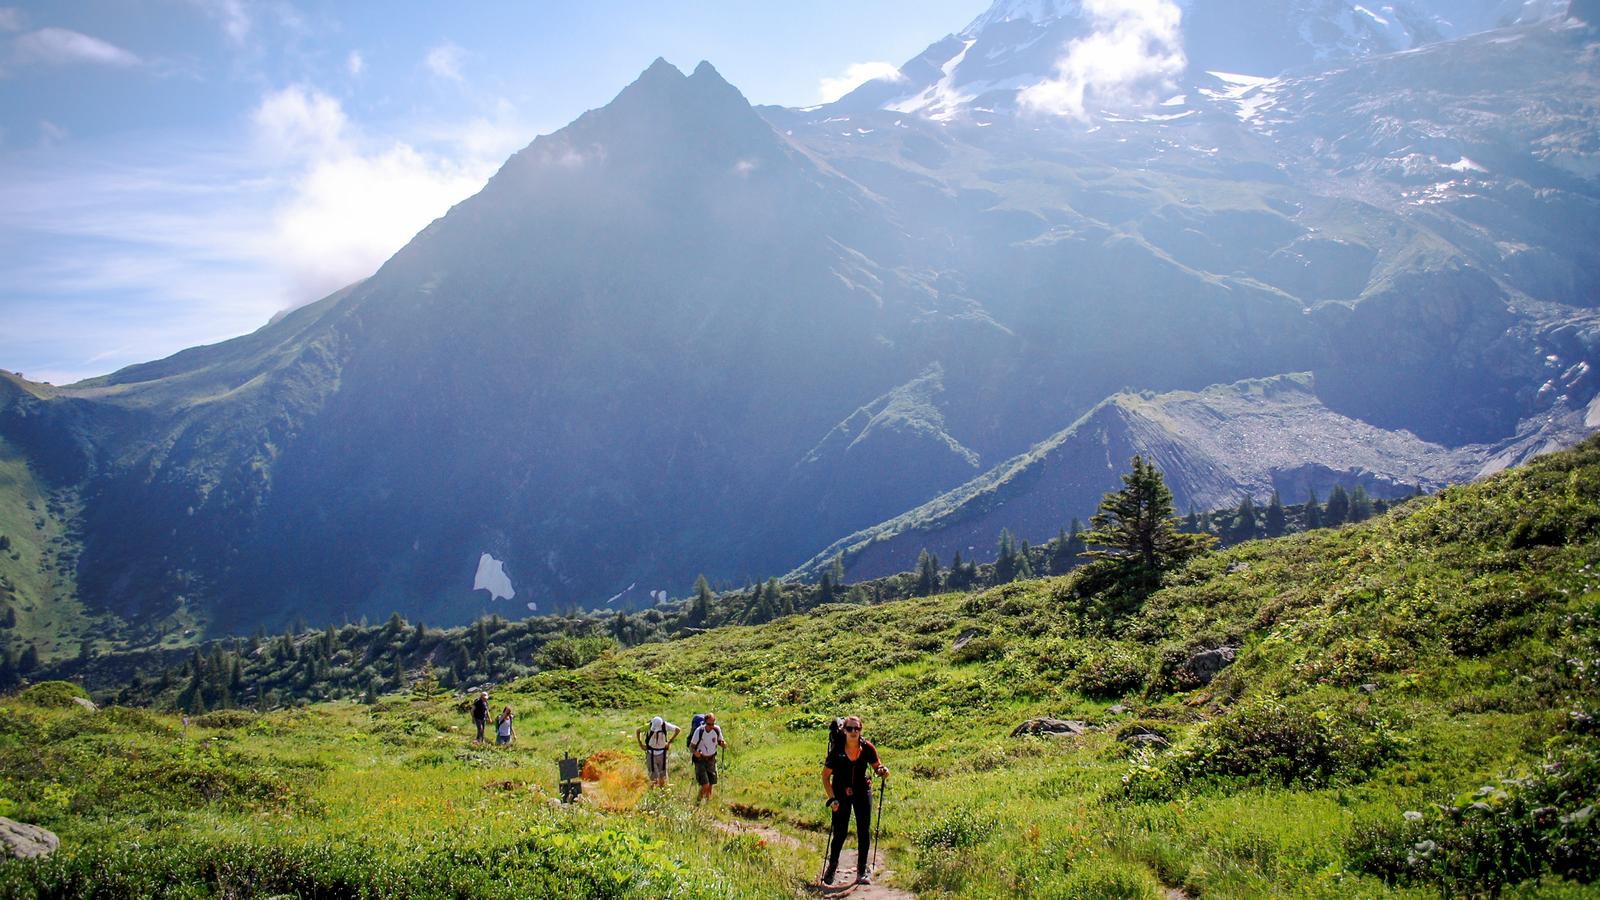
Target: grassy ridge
{"x":1437,"y":662}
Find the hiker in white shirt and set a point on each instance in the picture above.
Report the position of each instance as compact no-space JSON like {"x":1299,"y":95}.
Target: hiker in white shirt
{"x":661,"y":735}
{"x":703,"y":746}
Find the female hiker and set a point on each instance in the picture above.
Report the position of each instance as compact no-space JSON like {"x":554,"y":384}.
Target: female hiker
{"x":503,"y":732}
{"x":662,"y":734}
{"x":847,"y":783}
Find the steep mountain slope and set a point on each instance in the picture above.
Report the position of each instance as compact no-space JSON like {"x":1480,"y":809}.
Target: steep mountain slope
{"x":1215,"y":447}
{"x":683,"y":336}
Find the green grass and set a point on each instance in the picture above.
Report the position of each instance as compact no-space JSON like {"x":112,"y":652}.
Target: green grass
{"x":38,"y":563}
{"x":1405,"y":664}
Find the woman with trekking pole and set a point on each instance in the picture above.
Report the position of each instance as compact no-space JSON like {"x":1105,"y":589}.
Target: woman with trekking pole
{"x":847,"y":783}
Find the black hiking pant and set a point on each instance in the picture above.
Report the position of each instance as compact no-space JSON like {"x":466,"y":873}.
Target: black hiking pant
{"x":861,"y":802}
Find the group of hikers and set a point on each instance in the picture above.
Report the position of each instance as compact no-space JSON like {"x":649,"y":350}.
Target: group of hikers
{"x":504,"y":733}
{"x":847,"y":771}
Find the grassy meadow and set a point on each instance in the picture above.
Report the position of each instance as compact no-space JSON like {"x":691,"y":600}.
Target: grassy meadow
{"x":1410,"y":713}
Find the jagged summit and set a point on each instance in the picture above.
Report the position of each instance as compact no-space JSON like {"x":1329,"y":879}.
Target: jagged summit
{"x":1034,"y":11}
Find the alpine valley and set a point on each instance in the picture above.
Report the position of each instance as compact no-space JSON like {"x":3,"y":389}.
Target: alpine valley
{"x":687,"y":335}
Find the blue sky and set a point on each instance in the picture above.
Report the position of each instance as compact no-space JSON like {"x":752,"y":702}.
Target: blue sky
{"x":173,"y":172}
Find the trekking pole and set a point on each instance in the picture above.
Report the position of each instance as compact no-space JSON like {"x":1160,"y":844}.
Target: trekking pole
{"x":877,"y":827}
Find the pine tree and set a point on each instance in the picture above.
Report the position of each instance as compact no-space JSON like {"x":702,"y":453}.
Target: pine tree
{"x":700,"y":606}
{"x":1059,"y":562}
{"x":9,"y":676}
{"x":1024,"y":561}
{"x":1313,"y":511}
{"x":1275,"y":523}
{"x":1191,"y":522}
{"x":1136,"y":527}
{"x":1360,"y":505}
{"x":1244,"y":521}
{"x":1338,"y":511}
{"x":29,"y":661}
{"x":1005,"y":560}
{"x":927,"y":574}
{"x":399,"y":677}
{"x":837,"y":569}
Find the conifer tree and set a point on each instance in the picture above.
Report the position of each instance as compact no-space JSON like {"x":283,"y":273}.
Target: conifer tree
{"x":927,"y":574}
{"x":837,"y":570}
{"x":1136,"y":527}
{"x":1244,"y":521}
{"x":1191,"y":522}
{"x":1005,"y":560}
{"x":1313,"y":511}
{"x":1024,"y":561}
{"x":1338,"y":509}
{"x":1360,"y":505}
{"x":1275,"y":523}
{"x":700,"y":605}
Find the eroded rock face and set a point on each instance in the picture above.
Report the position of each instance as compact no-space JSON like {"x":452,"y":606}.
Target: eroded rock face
{"x":1052,"y":728}
{"x":19,"y":840}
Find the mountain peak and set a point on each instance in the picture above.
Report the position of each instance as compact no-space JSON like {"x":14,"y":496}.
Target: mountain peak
{"x":1035,"y":11}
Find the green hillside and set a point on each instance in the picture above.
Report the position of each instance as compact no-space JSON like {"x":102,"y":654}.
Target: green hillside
{"x":1410,"y":712}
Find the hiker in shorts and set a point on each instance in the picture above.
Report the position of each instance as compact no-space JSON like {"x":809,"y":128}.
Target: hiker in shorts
{"x":480,"y":713}
{"x":655,"y":746}
{"x":703,"y":746}
{"x":847,"y":784}
{"x":503,"y":733}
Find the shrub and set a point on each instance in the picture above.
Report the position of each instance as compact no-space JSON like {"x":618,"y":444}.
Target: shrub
{"x":569,"y":652}
{"x":979,"y":649}
{"x":1112,"y":673}
{"x":226,"y":719}
{"x":1509,"y":832}
{"x":54,"y":694}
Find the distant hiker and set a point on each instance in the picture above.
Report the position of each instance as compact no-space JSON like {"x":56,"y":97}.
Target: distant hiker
{"x":480,"y":713}
{"x":502,"y":727}
{"x":848,"y":786}
{"x":703,"y":746}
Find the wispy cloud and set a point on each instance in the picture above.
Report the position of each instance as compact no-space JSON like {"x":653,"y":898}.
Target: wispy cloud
{"x":50,"y":133}
{"x":831,"y":89}
{"x":445,"y":61}
{"x":11,"y":18}
{"x":1134,"y":51}
{"x":62,"y":46}
{"x":355,"y":64}
{"x":188,"y":242}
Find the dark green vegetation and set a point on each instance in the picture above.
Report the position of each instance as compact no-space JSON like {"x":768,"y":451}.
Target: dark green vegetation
{"x":684,"y":335}
{"x":1403,"y":707}
{"x":265,"y":672}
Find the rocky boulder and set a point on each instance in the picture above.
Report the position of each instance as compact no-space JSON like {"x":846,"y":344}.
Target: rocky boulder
{"x":1202,"y":667}
{"x":22,"y":841}
{"x":1052,"y":728}
{"x":1140,"y":736}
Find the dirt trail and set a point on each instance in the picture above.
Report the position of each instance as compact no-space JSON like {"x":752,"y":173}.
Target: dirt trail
{"x":844,"y":882}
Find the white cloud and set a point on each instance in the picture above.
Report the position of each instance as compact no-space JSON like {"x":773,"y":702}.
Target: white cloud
{"x":355,"y":63}
{"x":299,"y":122}
{"x":352,"y":206}
{"x":10,"y":18}
{"x":445,"y":61}
{"x":61,"y":46}
{"x":831,"y":89}
{"x":1135,"y":50}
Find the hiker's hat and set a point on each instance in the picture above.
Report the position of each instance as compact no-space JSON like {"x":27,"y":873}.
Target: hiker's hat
{"x":656,"y":722}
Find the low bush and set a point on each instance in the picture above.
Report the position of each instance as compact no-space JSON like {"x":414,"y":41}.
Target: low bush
{"x":1505,"y":833}
{"x":53,"y":694}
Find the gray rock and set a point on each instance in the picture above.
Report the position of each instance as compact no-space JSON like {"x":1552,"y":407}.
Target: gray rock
{"x":86,"y":704}
{"x":1119,"y":710}
{"x":1369,"y":689}
{"x":1052,"y":728}
{"x":22,"y":841}
{"x":1204,"y":666}
{"x":1146,"y":739}
{"x":963,"y":638}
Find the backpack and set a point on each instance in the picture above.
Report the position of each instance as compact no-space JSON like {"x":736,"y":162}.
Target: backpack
{"x":835,"y":736}
{"x":694,"y":729}
{"x":652,"y":733}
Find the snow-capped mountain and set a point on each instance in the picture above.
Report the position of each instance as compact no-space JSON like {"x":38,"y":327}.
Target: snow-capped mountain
{"x":1082,"y":56}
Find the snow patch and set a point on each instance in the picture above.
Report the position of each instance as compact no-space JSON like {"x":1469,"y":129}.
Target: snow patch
{"x":492,"y":577}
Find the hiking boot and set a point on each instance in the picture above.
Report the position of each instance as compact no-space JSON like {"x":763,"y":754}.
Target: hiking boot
{"x":864,"y":878}
{"x":827,"y":877}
